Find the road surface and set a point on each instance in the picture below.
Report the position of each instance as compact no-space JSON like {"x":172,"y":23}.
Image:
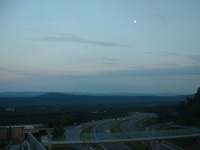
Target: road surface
{"x":101,"y":128}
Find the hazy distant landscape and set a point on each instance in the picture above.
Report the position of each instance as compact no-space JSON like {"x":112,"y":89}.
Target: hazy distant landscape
{"x":60,"y":110}
{"x":46,"y":107}
{"x":62,"y":99}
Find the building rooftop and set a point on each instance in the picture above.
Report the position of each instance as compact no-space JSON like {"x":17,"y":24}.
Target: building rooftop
{"x":34,"y":126}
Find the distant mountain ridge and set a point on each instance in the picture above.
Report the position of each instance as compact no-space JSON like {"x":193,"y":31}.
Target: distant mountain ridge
{"x":20,"y":94}
{"x":54,"y":94}
{"x":32,"y":94}
{"x":62,"y":99}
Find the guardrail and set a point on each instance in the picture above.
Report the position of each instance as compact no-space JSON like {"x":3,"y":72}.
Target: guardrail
{"x":130,"y":136}
{"x":34,"y":144}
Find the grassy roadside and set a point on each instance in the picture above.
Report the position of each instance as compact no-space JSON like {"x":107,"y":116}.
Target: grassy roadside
{"x":137,"y":146}
{"x":141,"y":125}
{"x":87,"y":130}
{"x":63,"y":148}
{"x":115,"y":127}
{"x":147,"y":121}
{"x":187,"y":143}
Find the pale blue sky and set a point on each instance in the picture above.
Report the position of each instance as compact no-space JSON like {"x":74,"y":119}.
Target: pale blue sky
{"x":95,"y":46}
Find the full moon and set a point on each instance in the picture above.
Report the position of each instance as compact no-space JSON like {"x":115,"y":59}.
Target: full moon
{"x":134,"y":21}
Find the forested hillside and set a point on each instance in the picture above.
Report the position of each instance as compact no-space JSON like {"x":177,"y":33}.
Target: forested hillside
{"x":60,"y":99}
{"x":190,"y":110}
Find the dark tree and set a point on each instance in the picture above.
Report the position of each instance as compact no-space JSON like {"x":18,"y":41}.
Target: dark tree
{"x":197,"y":95}
{"x":190,"y":110}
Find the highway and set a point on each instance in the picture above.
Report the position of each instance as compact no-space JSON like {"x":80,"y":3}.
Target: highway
{"x":72,"y":134}
{"x":165,"y":145}
{"x":109,"y":141}
{"x":127,"y":126}
{"x":101,"y":128}
{"x":130,"y":126}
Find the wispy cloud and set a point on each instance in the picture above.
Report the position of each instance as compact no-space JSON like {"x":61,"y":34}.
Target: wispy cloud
{"x":174,"y":54}
{"x":147,"y":72}
{"x":67,"y":37}
{"x":170,"y":64}
{"x":10,"y":75}
{"x":129,"y":80}
{"x":194,"y":57}
{"x":110,"y":61}
{"x":167,"y":53}
{"x":191,"y":57}
{"x":22,"y":73}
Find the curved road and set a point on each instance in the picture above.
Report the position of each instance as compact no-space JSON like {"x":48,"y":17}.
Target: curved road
{"x":127,"y":125}
{"x":101,"y":128}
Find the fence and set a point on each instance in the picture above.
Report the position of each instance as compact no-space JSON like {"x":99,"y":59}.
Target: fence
{"x":34,"y":144}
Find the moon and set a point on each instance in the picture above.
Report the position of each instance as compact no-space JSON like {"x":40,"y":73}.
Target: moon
{"x":134,"y":21}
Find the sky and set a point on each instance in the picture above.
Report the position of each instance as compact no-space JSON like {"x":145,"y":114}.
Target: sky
{"x":100,"y":46}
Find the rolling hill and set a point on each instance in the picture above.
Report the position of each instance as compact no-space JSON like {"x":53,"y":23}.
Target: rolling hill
{"x":62,"y":99}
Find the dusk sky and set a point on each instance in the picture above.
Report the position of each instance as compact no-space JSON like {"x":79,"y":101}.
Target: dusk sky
{"x":100,"y":46}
